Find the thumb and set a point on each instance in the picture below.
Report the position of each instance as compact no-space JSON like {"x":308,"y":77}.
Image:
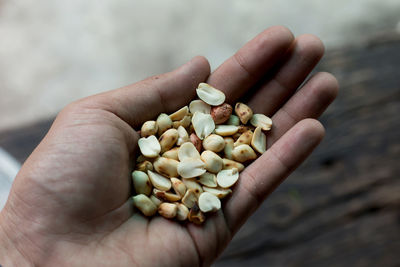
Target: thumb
{"x":146,"y":99}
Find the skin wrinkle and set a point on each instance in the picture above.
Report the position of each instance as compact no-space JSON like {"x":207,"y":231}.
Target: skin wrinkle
{"x":43,"y":188}
{"x":10,"y":238}
{"x":266,"y":38}
{"x":121,"y":112}
{"x":312,"y":90}
{"x":145,"y":242}
{"x":324,"y":88}
{"x":252,"y":193}
{"x":240,"y":62}
{"x":181,"y":246}
{"x":214,"y":249}
{"x":196,"y":246}
{"x":288,"y":115}
{"x":213,"y":230}
{"x":14,"y":229}
{"x":104,"y":241}
{"x":102,"y":102}
{"x":126,"y":252}
{"x":234,"y":225}
{"x":281,"y":85}
{"x":184,"y":231}
{"x":287,"y":168}
{"x":160,"y":94}
{"x":128,"y":132}
{"x":54,"y":255}
{"x":66,"y":180}
{"x":98,"y":218}
{"x":30,"y":219}
{"x":147,"y":232}
{"x":158,"y":238}
{"x":98,"y":105}
{"x":303,"y":56}
{"x":220,"y":243}
{"x":65,"y":233}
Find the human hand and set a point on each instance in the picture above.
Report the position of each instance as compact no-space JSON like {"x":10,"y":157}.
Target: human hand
{"x":69,"y":203}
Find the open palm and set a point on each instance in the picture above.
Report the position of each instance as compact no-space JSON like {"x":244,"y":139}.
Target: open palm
{"x":69,"y":205}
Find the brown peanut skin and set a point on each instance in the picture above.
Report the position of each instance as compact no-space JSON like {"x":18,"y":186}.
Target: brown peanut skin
{"x":196,"y":141}
{"x":221,"y":113}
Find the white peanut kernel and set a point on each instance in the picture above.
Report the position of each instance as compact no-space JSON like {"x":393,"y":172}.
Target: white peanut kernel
{"x":243,"y":153}
{"x":210,"y":95}
{"x":260,"y":120}
{"x":149,"y":128}
{"x":259,"y":141}
{"x":199,"y":106}
{"x":164,"y":122}
{"x":179,"y":114}
{"x":214,"y":143}
{"x":244,"y":112}
{"x":203,"y":124}
{"x":149,"y":146}
{"x":227,"y":178}
{"x":209,"y":202}
{"x":213,"y":162}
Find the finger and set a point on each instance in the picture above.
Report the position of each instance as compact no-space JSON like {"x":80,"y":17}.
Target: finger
{"x":146,"y":99}
{"x":251,"y":62}
{"x":302,"y":58}
{"x":260,"y":178}
{"x":309,"y":102}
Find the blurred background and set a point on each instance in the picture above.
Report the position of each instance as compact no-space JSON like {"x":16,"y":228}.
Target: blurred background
{"x":341,"y":208}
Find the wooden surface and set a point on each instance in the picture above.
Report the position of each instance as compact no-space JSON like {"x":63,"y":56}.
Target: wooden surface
{"x":342,"y":206}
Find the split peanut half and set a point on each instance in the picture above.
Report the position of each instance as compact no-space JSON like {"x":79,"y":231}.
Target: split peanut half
{"x":244,"y":112}
{"x":144,"y":204}
{"x":260,"y":120}
{"x":199,"y":106}
{"x":209,"y":202}
{"x":141,"y":183}
{"x":191,"y":167}
{"x":214,"y":142}
{"x":165,"y":166}
{"x":149,"y":128}
{"x":167,"y":210}
{"x":149,"y":146}
{"x":179,"y":114}
{"x":164,"y":122}
{"x":203,"y":124}
{"x":208,"y":179}
{"x":210,"y":95}
{"x":159,"y":181}
{"x":227,"y":178}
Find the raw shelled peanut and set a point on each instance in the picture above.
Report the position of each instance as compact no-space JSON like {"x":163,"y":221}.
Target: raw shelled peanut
{"x":190,"y":159}
{"x":196,"y":141}
{"x":244,"y":112}
{"x":221,"y":113}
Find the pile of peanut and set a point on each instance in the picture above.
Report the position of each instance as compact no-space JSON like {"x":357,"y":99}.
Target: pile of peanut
{"x":191,"y":158}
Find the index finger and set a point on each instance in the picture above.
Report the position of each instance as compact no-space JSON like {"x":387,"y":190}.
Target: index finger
{"x":251,"y":62}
